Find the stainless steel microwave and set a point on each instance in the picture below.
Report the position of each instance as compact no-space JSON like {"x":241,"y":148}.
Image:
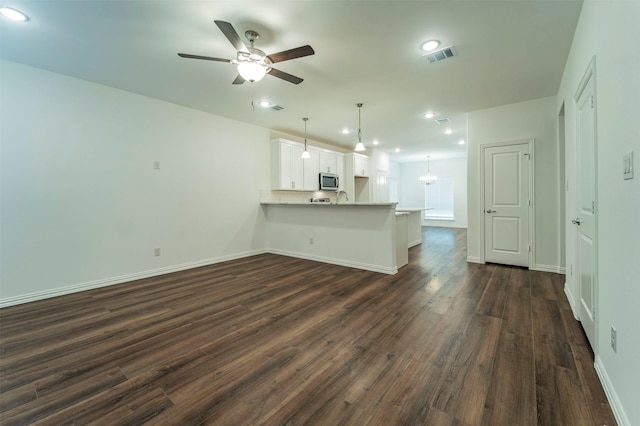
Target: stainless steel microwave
{"x":329,"y":182}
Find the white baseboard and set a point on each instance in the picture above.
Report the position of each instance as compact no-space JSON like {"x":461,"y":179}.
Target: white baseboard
{"x":75,"y":288}
{"x":612,"y":396}
{"x":548,"y":268}
{"x":572,"y":300}
{"x":415,"y":243}
{"x":341,"y":262}
{"x":474,"y":259}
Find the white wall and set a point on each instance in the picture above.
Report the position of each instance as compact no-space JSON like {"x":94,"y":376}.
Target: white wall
{"x":536,"y":119}
{"x":82,"y":205}
{"x":412,"y":191}
{"x":610,"y":31}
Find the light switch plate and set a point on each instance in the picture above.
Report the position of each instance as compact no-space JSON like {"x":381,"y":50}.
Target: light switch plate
{"x":627,"y":164}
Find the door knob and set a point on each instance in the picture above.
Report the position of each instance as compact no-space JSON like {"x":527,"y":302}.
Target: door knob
{"x":491,"y":211}
{"x":576,"y":221}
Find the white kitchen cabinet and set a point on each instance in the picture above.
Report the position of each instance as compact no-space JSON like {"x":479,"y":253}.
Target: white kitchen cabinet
{"x":360,"y":165}
{"x":286,"y":165}
{"x":311,"y":170}
{"x":356,"y":178}
{"x":328,"y":162}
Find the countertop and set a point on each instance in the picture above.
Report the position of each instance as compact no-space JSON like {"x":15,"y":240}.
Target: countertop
{"x":412,"y":209}
{"x":344,"y":204}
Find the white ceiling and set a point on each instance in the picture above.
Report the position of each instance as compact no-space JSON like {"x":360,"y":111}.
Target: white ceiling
{"x":366,"y":51}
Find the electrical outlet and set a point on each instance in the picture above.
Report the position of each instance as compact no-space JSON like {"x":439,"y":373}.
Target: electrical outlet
{"x":311,"y":240}
{"x":156,"y":251}
{"x":614,"y":339}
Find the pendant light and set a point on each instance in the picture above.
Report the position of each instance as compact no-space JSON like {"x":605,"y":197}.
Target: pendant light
{"x":428,"y":179}
{"x":359,"y":146}
{"x":305,"y":154}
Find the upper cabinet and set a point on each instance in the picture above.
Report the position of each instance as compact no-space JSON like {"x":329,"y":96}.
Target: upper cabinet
{"x":286,"y":165}
{"x":328,"y":162}
{"x":289,"y":171}
{"x":356,"y":180}
{"x":360,"y":165}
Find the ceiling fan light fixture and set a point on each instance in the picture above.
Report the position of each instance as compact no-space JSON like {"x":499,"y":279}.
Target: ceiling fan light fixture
{"x":251,"y":71}
{"x":13,"y":14}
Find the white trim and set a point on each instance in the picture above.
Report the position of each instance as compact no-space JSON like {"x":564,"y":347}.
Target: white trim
{"x":571,"y":299}
{"x":612,"y":396}
{"x":358,"y":265}
{"x":548,"y":268}
{"x":76,"y":288}
{"x":474,"y":259}
{"x":415,"y":243}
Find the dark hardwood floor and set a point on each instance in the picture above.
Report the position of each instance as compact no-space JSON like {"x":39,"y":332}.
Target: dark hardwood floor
{"x":276,"y":340}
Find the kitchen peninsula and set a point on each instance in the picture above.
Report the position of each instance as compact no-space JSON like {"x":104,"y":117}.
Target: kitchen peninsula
{"x":357,"y":235}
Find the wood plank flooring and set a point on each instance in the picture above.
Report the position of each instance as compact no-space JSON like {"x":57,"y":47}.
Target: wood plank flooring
{"x":280,"y":341}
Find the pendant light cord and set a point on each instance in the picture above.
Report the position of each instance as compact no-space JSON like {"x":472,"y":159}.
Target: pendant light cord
{"x":359,"y":124}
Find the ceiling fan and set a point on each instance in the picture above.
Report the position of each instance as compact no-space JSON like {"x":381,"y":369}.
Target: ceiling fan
{"x":253,"y":63}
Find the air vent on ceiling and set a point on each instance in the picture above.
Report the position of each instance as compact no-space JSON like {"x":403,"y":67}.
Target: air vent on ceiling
{"x":440,"y":54}
{"x":277,"y":107}
{"x":443,"y":120}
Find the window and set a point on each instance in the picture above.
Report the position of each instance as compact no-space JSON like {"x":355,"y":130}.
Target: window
{"x":393,"y":189}
{"x":439,"y":199}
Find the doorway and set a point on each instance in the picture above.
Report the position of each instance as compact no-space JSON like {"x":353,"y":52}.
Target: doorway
{"x":507,"y":193}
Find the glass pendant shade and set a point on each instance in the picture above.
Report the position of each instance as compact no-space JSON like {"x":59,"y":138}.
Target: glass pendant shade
{"x":251,"y":71}
{"x":360,"y":147}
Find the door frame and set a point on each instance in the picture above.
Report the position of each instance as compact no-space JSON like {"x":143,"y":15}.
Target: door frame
{"x":532,"y":239}
{"x":588,"y":76}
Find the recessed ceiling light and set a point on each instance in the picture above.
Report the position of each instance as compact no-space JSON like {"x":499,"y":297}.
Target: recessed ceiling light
{"x":461,"y":142}
{"x":448,"y":131}
{"x":397,"y":149}
{"x":375,"y":142}
{"x":429,"y":114}
{"x":13,"y":14}
{"x":428,"y":46}
{"x":345,"y":131}
{"x":264,"y":104}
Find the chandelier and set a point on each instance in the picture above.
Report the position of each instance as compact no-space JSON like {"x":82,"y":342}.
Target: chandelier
{"x":429,"y":179}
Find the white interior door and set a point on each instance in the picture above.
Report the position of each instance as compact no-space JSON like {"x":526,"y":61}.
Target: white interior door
{"x":586,"y":220}
{"x":506,"y":204}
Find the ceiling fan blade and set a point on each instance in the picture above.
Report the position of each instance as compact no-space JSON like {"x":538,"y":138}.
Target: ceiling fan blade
{"x":285,"y":76}
{"x":286,"y":55}
{"x":231,"y":34}
{"x":206,"y":58}
{"x":238,"y":80}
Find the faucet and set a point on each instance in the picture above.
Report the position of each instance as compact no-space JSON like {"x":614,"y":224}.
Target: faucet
{"x":346,"y":196}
